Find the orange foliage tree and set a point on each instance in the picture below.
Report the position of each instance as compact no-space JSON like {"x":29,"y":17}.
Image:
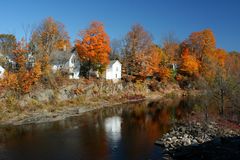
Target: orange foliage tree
{"x":22,"y":78}
{"x":201,"y":43}
{"x":189,"y":64}
{"x":165,"y":73}
{"x":141,"y":56}
{"x":148,"y":64}
{"x":94,"y":47}
{"x":220,"y":56}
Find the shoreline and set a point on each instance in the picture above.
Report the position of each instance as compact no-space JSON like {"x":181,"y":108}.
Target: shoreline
{"x":188,"y":140}
{"x":44,"y":116}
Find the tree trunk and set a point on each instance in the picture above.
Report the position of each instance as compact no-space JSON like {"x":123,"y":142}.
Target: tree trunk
{"x":222,"y":102}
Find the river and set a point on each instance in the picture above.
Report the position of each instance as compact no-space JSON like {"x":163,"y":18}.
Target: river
{"x":121,"y":132}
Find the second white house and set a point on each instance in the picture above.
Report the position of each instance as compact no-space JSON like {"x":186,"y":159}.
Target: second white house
{"x":114,"y":70}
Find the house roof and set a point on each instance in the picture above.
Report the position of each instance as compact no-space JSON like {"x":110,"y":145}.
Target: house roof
{"x":60,"y":57}
{"x":112,"y":62}
{"x":1,"y":68}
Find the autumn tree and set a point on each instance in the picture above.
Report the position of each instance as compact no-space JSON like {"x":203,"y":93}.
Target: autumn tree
{"x":116,"y":50}
{"x":93,"y":47}
{"x":7,"y":43}
{"x":189,"y":64}
{"x":49,"y":36}
{"x":138,"y":51}
{"x":22,"y":78}
{"x":213,"y":71}
{"x":232,"y":65}
{"x":201,"y":44}
{"x":171,"y":47}
{"x":137,"y":41}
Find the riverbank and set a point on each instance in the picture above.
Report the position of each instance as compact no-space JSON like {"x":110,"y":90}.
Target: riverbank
{"x":195,"y":140}
{"x":78,"y":106}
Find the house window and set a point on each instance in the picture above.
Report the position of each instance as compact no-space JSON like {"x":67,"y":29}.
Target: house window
{"x":116,"y":68}
{"x":116,"y":75}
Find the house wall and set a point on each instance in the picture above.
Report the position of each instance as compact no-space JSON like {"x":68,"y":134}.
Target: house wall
{"x":114,"y":72}
{"x":74,"y":66}
{"x":2,"y":70}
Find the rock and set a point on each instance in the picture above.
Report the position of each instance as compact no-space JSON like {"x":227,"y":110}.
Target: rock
{"x":160,"y":143}
{"x":185,"y":136}
{"x":182,"y":129}
{"x":192,"y":135}
{"x":194,"y":141}
{"x":174,"y":138}
{"x":186,"y":141}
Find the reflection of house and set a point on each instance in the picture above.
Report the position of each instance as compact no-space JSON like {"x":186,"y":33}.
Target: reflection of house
{"x":114,"y":70}
{"x":113,"y":128}
{"x":2,"y":70}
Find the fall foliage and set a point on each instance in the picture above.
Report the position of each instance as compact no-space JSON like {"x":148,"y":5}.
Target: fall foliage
{"x":45,"y":64}
{"x":194,"y":61}
{"x":22,"y":78}
{"x":189,"y":64}
{"x":94,"y":46}
{"x":49,"y":36}
{"x":201,"y":44}
{"x":7,"y":43}
{"x":141,"y":56}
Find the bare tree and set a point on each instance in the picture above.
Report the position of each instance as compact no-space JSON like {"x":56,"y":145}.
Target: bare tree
{"x":7,"y":43}
{"x":116,"y":49}
{"x":136,"y":42}
{"x":49,"y":36}
{"x":171,"y":47}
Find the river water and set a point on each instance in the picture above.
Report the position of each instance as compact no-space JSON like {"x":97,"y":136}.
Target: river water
{"x":124,"y":132}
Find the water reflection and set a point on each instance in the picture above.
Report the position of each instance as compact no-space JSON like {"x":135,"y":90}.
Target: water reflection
{"x":124,"y":132}
{"x":113,"y":128}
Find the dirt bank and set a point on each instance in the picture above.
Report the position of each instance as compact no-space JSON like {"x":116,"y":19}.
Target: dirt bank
{"x":54,"y":113}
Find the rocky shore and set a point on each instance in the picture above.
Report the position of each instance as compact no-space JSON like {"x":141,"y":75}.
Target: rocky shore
{"x":184,"y":140}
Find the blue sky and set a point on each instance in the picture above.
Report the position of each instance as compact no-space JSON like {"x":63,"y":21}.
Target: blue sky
{"x":159,"y":17}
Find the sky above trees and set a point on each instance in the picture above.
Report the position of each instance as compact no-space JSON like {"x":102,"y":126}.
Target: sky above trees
{"x":159,"y":17}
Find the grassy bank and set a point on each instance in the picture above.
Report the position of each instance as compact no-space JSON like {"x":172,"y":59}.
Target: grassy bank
{"x":72,"y":99}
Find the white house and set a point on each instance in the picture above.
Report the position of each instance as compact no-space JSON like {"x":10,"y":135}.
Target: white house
{"x":68,"y":62}
{"x":2,"y":70}
{"x":73,"y":66}
{"x":56,"y":67}
{"x":114,"y":71}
